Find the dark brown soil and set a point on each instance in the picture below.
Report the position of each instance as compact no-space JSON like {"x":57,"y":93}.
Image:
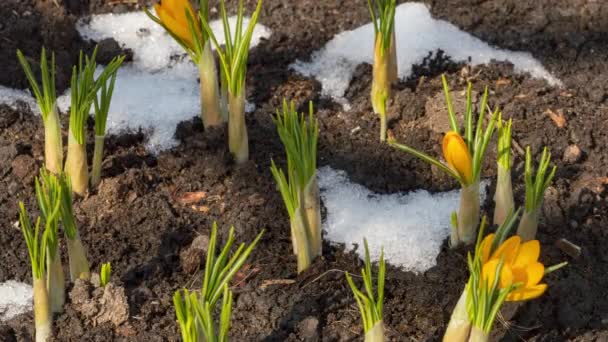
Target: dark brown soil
{"x":136,"y":222}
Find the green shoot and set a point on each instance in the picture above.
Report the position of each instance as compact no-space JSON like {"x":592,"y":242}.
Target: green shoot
{"x":370,"y":305}
{"x":48,"y":194}
{"x":504,"y":143}
{"x":105,"y":273}
{"x":46,"y":98}
{"x":300,"y":192}
{"x":79,"y":264}
{"x":233,"y":67}
{"x":535,"y":193}
{"x":36,"y":248}
{"x":102,"y":109}
{"x":536,"y":186}
{"x":194,"y":310}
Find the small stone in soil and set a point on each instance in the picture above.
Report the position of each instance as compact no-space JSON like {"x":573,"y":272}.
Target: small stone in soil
{"x":190,"y":258}
{"x":569,"y":248}
{"x":308,"y":328}
{"x":572,"y":154}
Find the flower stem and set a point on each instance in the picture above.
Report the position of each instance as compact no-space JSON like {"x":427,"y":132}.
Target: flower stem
{"x":503,"y":196}
{"x":97,"y":159}
{"x":237,"y":130}
{"x":468,"y":214}
{"x":381,"y":84}
{"x":460,"y":326}
{"x":76,"y":166}
{"x":478,"y":335}
{"x":210,"y":105}
{"x":55,"y":281}
{"x":42,"y":314}
{"x":53,"y":146}
{"x":79,"y":265}
{"x":529,"y":224}
{"x":376,"y":333}
{"x":312,"y":205}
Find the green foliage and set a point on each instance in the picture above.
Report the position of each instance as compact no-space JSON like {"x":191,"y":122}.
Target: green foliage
{"x":370,"y":305}
{"x":84,"y":90}
{"x":504,"y":143}
{"x":235,"y":53}
{"x":48,"y":194}
{"x":194,"y":310}
{"x":36,"y":246}
{"x":46,"y":97}
{"x":105,"y":273}
{"x":102,"y":104}
{"x":536,"y":186}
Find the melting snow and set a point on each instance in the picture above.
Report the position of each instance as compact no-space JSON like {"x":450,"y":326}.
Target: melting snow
{"x":417,"y":34}
{"x":406,"y":224}
{"x":15,"y":298}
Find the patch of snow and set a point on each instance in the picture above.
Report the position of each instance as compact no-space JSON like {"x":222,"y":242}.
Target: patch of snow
{"x":417,"y":34}
{"x":12,"y":97}
{"x":15,"y":298}
{"x":407,"y":225}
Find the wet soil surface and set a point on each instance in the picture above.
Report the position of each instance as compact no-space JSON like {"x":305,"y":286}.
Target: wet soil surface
{"x":140,"y":218}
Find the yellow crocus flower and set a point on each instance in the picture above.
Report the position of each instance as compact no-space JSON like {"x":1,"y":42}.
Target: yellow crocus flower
{"x":458,"y":157}
{"x":172,"y":13}
{"x":520,"y":265}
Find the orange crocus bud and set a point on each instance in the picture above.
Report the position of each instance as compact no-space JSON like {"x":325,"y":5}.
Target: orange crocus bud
{"x":457,"y":155}
{"x":172,"y":13}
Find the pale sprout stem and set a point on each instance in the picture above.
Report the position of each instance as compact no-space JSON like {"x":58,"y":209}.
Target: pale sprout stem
{"x":53,"y":146}
{"x":312,"y":204}
{"x":460,"y":326}
{"x":503,"y":196}
{"x":237,"y":130}
{"x":478,"y":335}
{"x":97,"y":160}
{"x":55,"y":282}
{"x":79,"y":266}
{"x":76,"y":166}
{"x":210,"y":105}
{"x":42,"y":313}
{"x":468,"y":214}
{"x":376,"y":333}
{"x":529,"y":224}
{"x":303,"y":251}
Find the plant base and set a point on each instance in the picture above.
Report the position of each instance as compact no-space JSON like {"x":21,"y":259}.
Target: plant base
{"x":503,"y":196}
{"x":55,"y":283}
{"x":529,"y":224}
{"x":238,"y":140}
{"x":376,"y":333}
{"x":76,"y":166}
{"x":459,"y":328}
{"x":79,"y":265}
{"x":312,"y":203}
{"x":468,"y":213}
{"x":42,"y":314}
{"x":210,"y":100}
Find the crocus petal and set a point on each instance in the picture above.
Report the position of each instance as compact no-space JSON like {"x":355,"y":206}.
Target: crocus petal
{"x":535,"y":273}
{"x":457,"y":155}
{"x":174,"y":26}
{"x":179,"y":8}
{"x":528,"y":253}
{"x":489,"y":273}
{"x":526,"y":293}
{"x":508,"y":249}
{"x":486,"y":246}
